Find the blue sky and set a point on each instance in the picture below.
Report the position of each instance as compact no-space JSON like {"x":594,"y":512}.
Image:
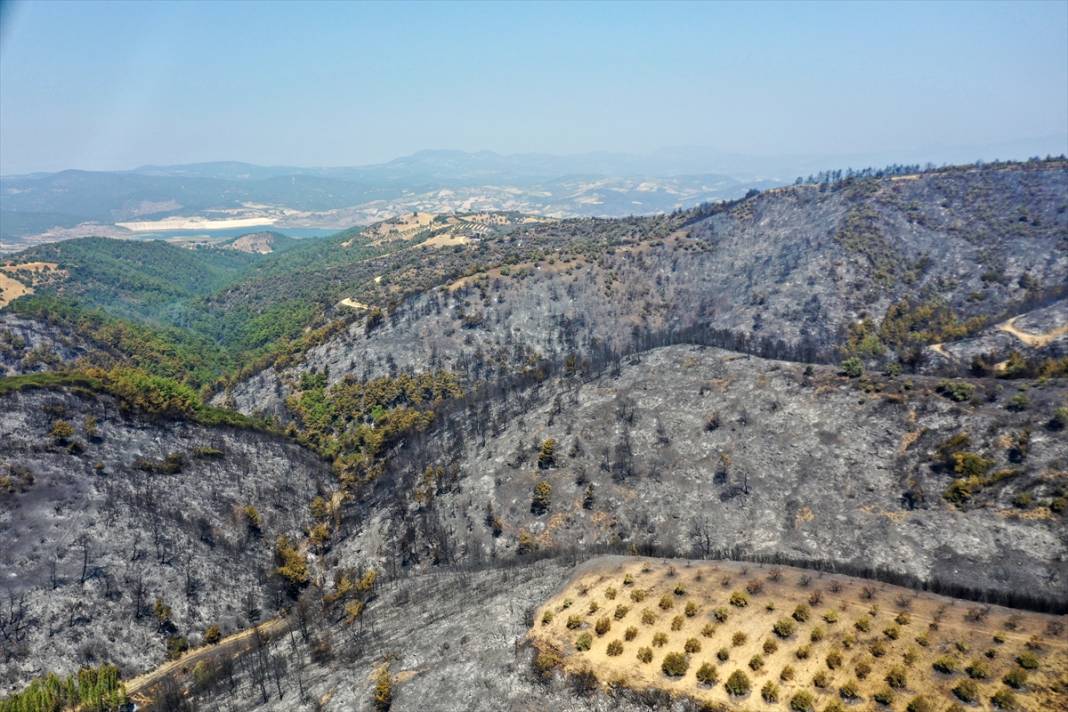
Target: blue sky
{"x":106,"y":85}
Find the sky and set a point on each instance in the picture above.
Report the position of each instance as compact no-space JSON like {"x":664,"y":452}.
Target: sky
{"x":116,"y":85}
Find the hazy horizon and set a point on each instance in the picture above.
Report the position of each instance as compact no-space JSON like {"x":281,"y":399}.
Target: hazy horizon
{"x":352,"y":85}
{"x":1022,"y":149}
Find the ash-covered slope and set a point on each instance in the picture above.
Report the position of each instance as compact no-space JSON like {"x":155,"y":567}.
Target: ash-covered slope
{"x":101,"y":520}
{"x":694,"y":449}
{"x":454,"y":641}
{"x":29,"y":346}
{"x":792,"y":272}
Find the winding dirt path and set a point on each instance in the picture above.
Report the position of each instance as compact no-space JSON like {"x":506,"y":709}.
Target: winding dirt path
{"x":1034,"y":340}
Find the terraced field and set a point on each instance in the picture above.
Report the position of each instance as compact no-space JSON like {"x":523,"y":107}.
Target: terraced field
{"x":774,"y":637}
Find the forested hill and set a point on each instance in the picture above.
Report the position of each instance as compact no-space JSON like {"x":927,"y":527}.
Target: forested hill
{"x":878,"y":267}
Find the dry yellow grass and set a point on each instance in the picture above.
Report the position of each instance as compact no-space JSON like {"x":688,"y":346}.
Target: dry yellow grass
{"x":11,"y":289}
{"x":446,"y":240}
{"x":20,"y":279}
{"x":402,"y":227}
{"x":353,"y":304}
{"x":841,"y":625}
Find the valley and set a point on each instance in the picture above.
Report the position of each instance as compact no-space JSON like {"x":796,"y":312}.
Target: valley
{"x":356,"y":471}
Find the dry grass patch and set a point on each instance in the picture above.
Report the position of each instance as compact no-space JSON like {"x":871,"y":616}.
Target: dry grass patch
{"x":781,"y":638}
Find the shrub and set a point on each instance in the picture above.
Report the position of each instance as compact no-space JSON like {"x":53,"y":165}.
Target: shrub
{"x":545,"y":662}
{"x":610,"y":593}
{"x":693,"y":645}
{"x":738,"y":639}
{"x":966,"y":691}
{"x":853,"y":367}
{"x":803,"y":652}
{"x":709,"y":630}
{"x":176,"y":645}
{"x":877,"y":649}
{"x":1004,"y":700}
{"x":834,"y":660}
{"x":919,"y":704}
{"x":574,"y":622}
{"x":770,"y":646}
{"x":615,"y":648}
{"x":863,"y":625}
{"x":660,"y":640}
{"x":630,"y":634}
{"x":621,"y":612}
{"x":602,"y":626}
{"x":720,"y":614}
{"x":674,"y":664}
{"x":212,"y":635}
{"x":821,"y":680}
{"x":648,"y":617}
{"x":903,"y":618}
{"x":628,"y":580}
{"x":801,"y":613}
{"x":666,"y":602}
{"x":1019,"y":403}
{"x":292,"y":566}
{"x":783,"y":628}
{"x":863,"y":669}
{"x":977,"y":670}
{"x":896,"y":678}
{"x":738,"y":684}
{"x":816,"y":635}
{"x":756,"y":662}
{"x":884,"y":696}
{"x":723,"y":655}
{"x":539,"y":503}
{"x":547,"y":455}
{"x":691,"y":609}
{"x":802,"y":702}
{"x":1015,"y":679}
{"x":770,"y":692}
{"x":645,"y":654}
{"x":61,"y":431}
{"x":1027,"y":661}
{"x":849,"y":691}
{"x":739,"y":599}
{"x":707,"y":674}
{"x":892,"y":632}
{"x":957,"y":391}
{"x":787,"y":673}
{"x":1023,"y":500}
{"x":830,"y":617}
{"x":583,"y":642}
{"x":594,"y":607}
{"x":680,"y":590}
{"x":1059,"y":421}
{"x":637,"y":595}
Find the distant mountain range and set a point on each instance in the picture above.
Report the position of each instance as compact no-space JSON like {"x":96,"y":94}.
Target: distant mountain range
{"x":179,"y":200}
